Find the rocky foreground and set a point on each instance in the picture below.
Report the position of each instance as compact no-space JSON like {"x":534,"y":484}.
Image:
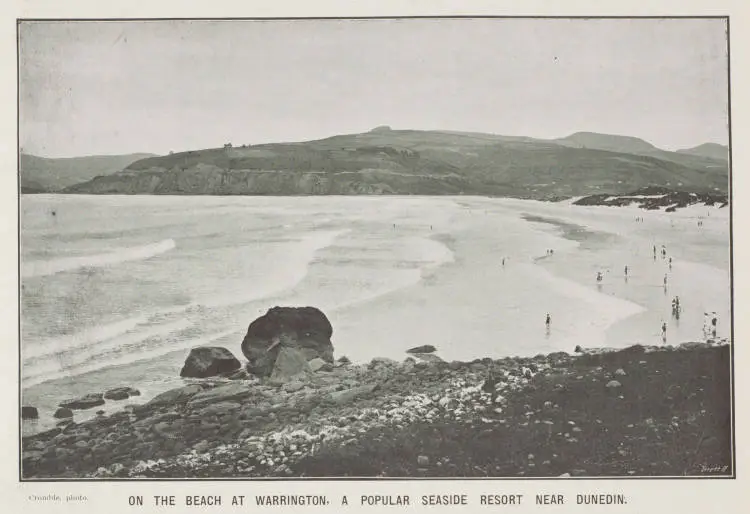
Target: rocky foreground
{"x":638,"y":411}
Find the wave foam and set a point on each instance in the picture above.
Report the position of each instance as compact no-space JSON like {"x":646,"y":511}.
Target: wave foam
{"x":136,"y":253}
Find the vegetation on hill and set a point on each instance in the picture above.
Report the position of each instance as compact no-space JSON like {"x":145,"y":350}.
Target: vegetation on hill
{"x":711,"y":150}
{"x":43,"y":175}
{"x":386,"y":161}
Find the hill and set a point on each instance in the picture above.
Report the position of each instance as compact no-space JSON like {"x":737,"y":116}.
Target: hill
{"x":42,"y":174}
{"x":711,"y":150}
{"x":613,"y":143}
{"x":386,"y":161}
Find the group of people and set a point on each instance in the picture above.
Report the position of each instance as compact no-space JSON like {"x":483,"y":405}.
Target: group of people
{"x":550,"y":252}
{"x":639,"y":219}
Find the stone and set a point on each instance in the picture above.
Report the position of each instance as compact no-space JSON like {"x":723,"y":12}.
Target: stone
{"x":84,"y":402}
{"x":318,"y":364}
{"x":290,"y":364}
{"x":425,"y":348}
{"x":304,"y":329}
{"x":381,"y":361}
{"x":293,"y":386}
{"x":423,"y":460}
{"x":620,"y":372}
{"x":118,"y":393}
{"x":428,"y":357}
{"x":219,"y":409}
{"x":240,"y":374}
{"x":176,"y":395}
{"x":348,"y":395}
{"x":222,"y":393}
{"x":209,"y":361}
{"x":29,"y":412}
{"x":693,"y":346}
{"x":613,"y":384}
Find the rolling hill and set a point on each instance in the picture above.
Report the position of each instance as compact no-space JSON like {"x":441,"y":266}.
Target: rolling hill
{"x":385,"y":161}
{"x":711,"y":150}
{"x":42,"y":174}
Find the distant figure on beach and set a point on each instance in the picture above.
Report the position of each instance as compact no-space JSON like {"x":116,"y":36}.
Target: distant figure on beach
{"x":664,"y":331}
{"x":714,"y":320}
{"x":503,"y":261}
{"x":599,"y":276}
{"x":665,"y":281}
{"x":552,"y":252}
{"x":394,"y":225}
{"x":670,"y":263}
{"x":430,"y":227}
{"x":626,"y":271}
{"x":548,"y":320}
{"x":676,"y":307}
{"x":705,"y":325}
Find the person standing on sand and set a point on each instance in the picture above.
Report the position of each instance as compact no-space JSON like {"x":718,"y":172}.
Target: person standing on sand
{"x":714,"y":320}
{"x":548,"y":320}
{"x":664,"y":331}
{"x":626,"y":271}
{"x":665,"y":281}
{"x":670,"y":263}
{"x":503,"y":261}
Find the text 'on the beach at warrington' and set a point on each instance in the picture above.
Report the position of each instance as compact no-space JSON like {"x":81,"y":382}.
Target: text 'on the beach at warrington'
{"x":375,"y":500}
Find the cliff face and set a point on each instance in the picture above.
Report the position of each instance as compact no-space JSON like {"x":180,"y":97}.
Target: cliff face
{"x":388,"y":161}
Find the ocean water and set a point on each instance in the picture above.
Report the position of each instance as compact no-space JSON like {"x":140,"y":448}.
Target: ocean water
{"x":116,"y":290}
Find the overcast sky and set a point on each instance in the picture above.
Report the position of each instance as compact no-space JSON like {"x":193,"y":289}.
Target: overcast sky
{"x":120,"y":87}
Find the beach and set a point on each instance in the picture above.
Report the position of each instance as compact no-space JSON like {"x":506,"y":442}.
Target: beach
{"x":116,"y":290}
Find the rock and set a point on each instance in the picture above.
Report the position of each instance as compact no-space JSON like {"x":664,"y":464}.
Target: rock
{"x":381,"y":361}
{"x":85,"y":402}
{"x":223,"y":393}
{"x":620,"y":372}
{"x":290,"y":363}
{"x":219,"y":409}
{"x":348,"y":395}
{"x":305,"y":329}
{"x":63,"y":413}
{"x":343,"y":360}
{"x":118,"y":393}
{"x":425,"y":348}
{"x":132,"y":391}
{"x":209,"y":361}
{"x":578,"y":349}
{"x":177,"y":395}
{"x":428,"y":357}
{"x":564,"y":475}
{"x":693,"y":346}
{"x":240,"y":374}
{"x":293,"y":386}
{"x":613,"y":384}
{"x":29,"y":412}
{"x":423,"y":460}
{"x":318,"y":364}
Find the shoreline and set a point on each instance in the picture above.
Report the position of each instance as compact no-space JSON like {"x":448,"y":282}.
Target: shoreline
{"x":312,"y":427}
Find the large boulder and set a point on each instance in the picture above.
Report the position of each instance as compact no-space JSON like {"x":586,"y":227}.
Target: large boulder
{"x":209,"y":361}
{"x":304,"y":329}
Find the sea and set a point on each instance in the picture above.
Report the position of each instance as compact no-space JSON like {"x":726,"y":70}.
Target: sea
{"x":116,"y":290}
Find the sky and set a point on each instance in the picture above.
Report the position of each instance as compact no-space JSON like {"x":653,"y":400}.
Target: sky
{"x":89,"y":88}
